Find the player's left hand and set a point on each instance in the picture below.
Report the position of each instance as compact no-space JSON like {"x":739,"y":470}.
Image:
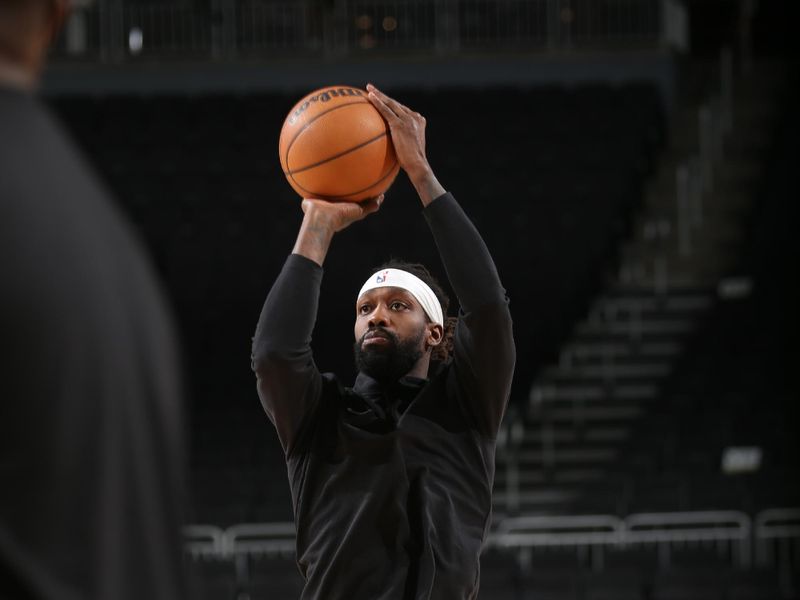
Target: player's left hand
{"x":407,"y":129}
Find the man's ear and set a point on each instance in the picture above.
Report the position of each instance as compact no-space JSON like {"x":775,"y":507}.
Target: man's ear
{"x":434,"y":334}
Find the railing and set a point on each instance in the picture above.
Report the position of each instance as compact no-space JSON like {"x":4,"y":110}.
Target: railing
{"x":268,"y":539}
{"x":590,"y":536}
{"x":117,"y":31}
{"x":203,"y":541}
{"x":725,"y":529}
{"x":165,"y":30}
{"x":589,"y":533}
{"x":665,"y":531}
{"x":258,"y":539}
{"x":777,"y":538}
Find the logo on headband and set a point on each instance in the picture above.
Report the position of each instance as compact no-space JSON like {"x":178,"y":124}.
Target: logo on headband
{"x":382,"y":277}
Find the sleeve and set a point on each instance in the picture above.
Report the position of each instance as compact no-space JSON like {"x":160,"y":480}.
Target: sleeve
{"x":483,"y":345}
{"x":289,"y":383}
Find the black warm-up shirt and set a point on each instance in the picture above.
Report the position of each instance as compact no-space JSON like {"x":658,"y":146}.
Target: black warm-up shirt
{"x":91,"y":424}
{"x":391,"y":485}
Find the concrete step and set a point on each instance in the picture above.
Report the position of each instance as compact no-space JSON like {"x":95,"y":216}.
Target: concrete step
{"x":542,"y":393}
{"x":663,"y":275}
{"x":695,"y":249}
{"x":536,"y":436}
{"x":622,"y":291}
{"x":650,"y":307}
{"x":578,"y":455}
{"x":545,"y":491}
{"x":617,"y":412}
{"x":697,"y":268}
{"x":565,"y":477}
{"x":694,"y":254}
{"x":522,"y":503}
{"x":608,"y":372}
{"x":598,"y":353}
{"x":635,"y":329}
{"x":697,"y":244}
{"x":643,"y":305}
{"x":606,"y":314}
{"x":674,"y":279}
{"x":726,"y":203}
{"x":707,"y":221}
{"x":607,"y":434}
{"x":730,"y":188}
{"x":624,"y":333}
{"x":535,"y":498}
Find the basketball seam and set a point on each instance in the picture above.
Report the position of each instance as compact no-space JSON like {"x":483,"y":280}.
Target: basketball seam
{"x":339,"y":155}
{"x":324,"y":196}
{"x":309,"y":122}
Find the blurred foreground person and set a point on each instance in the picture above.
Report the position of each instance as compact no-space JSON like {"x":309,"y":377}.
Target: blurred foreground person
{"x":391,"y":478}
{"x":91,"y":427}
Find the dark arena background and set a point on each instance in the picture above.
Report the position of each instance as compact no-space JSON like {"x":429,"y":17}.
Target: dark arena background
{"x":632,"y":165}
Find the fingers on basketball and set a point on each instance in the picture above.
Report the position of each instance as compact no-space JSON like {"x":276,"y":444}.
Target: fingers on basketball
{"x":386,"y":112}
{"x":372,"y":205}
{"x":335,"y":145}
{"x":393,"y":105}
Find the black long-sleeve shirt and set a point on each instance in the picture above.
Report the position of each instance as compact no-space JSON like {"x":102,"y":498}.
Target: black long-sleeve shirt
{"x":391,"y":485}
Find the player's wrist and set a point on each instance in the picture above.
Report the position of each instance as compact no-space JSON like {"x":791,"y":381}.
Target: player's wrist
{"x":319,"y":220}
{"x":419,"y":171}
{"x":428,"y":187}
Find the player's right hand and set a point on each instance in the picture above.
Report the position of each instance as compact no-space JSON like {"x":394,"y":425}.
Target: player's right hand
{"x":335,"y":216}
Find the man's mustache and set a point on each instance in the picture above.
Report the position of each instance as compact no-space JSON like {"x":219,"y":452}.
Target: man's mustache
{"x":378,"y":332}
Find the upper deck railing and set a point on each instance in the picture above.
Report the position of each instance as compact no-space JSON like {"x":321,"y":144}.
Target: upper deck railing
{"x":127,"y":31}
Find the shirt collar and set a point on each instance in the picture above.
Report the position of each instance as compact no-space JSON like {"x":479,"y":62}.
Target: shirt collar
{"x":368,"y":387}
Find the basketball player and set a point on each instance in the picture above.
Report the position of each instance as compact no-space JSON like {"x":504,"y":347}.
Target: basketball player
{"x":391,"y":478}
{"x":91,"y":425}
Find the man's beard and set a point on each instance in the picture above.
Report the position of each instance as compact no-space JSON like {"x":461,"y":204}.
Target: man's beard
{"x":389,"y":362}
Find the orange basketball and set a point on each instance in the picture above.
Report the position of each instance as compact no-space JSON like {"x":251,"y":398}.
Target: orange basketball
{"x":335,"y":145}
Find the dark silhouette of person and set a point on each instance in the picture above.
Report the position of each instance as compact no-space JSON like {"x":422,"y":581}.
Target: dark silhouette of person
{"x":91,"y":418}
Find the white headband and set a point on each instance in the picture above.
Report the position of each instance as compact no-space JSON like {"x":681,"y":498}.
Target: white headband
{"x":412,"y":284}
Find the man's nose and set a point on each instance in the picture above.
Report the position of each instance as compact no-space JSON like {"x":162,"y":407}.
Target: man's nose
{"x":379,"y":317}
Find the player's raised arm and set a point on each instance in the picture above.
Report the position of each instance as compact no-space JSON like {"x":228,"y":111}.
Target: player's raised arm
{"x":288,"y":380}
{"x":483,"y":351}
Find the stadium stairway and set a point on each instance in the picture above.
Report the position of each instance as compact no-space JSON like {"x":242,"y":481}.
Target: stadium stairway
{"x":570,"y":450}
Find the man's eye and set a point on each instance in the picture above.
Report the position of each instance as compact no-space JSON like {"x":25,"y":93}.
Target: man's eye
{"x":364,"y":309}
{"x":398,"y":306}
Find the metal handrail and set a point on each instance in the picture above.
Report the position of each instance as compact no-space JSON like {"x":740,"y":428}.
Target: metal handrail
{"x":566,"y":530}
{"x":772,"y":523}
{"x":775,"y":530}
{"x":720,"y":522}
{"x":663,"y":529}
{"x":203,"y":540}
{"x":259,"y":538}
